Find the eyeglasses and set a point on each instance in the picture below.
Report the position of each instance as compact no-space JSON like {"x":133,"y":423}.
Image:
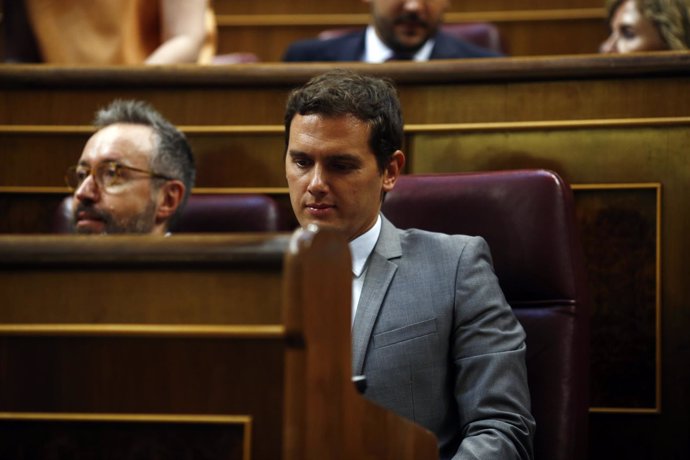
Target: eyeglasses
{"x":110,"y":176}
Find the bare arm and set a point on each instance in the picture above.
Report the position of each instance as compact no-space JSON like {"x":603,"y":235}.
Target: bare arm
{"x":182,"y":32}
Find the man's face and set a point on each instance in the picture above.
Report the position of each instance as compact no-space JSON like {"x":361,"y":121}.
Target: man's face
{"x":632,"y":32}
{"x":130,"y":208}
{"x":405,"y":25}
{"x":332,"y":173}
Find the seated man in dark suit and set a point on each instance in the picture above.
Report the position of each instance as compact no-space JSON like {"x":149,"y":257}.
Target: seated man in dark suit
{"x":134,"y":175}
{"x":400,"y":30}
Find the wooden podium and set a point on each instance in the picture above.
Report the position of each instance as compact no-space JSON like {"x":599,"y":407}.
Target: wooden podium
{"x":213,"y":347}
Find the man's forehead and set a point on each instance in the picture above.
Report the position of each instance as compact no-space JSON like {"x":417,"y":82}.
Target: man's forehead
{"x":132,"y":143}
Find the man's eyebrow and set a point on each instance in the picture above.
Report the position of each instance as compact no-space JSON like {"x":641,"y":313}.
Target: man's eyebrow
{"x":332,"y":157}
{"x":102,"y":161}
{"x":345,"y":157}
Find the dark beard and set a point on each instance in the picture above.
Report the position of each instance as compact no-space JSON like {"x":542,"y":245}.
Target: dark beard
{"x":142,"y":223}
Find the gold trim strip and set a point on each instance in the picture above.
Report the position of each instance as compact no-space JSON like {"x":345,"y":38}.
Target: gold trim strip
{"x":359,"y":19}
{"x":145,"y":330}
{"x":555,"y":124}
{"x":617,"y":186}
{"x":197,"y":191}
{"x":240,"y":190}
{"x":191,"y":129}
{"x":137,"y":418}
{"x":46,"y":129}
{"x":658,"y":305}
{"x":623,"y":410}
{"x":33,"y":189}
{"x":410,"y":128}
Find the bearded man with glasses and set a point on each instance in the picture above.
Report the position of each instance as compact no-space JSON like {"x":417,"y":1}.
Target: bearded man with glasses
{"x":134,"y":175}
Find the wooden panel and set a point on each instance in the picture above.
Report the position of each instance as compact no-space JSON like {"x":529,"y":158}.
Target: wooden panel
{"x":470,"y":91}
{"x":136,"y":330}
{"x":75,"y":292}
{"x":523,"y":37}
{"x":601,"y":155}
{"x":358,"y":6}
{"x":619,"y":224}
{"x":40,"y":156}
{"x":45,"y":436}
{"x":594,"y":119}
{"x":141,"y":376}
{"x":28,"y":212}
{"x":613,"y":155}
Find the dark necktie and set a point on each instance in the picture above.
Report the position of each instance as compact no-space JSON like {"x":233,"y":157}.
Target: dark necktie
{"x":400,"y":56}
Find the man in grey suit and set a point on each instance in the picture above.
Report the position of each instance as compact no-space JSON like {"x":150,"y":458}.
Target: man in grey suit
{"x":399,"y":30}
{"x":432,"y":332}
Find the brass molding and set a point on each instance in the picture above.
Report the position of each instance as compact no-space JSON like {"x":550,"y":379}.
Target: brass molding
{"x":34,"y":190}
{"x":143,"y":418}
{"x":195,"y":191}
{"x":191,"y":129}
{"x":547,"y":125}
{"x":240,"y":190}
{"x":412,"y":128}
{"x":46,"y":129}
{"x":276,"y":331}
{"x":361,"y":19}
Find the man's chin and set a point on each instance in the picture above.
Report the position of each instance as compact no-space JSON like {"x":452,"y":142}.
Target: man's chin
{"x":90,"y":227}
{"x":410,"y":41}
{"x":320,"y":223}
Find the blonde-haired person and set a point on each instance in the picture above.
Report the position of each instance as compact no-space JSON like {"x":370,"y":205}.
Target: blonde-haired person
{"x":647,"y":25}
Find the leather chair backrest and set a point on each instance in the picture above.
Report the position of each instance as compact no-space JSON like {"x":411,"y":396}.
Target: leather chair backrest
{"x":212,"y":213}
{"x":527,"y":217}
{"x":482,"y":34}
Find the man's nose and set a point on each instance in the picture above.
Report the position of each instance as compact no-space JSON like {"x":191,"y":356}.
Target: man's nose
{"x":608,"y":46}
{"x":413,"y":5}
{"x":318,"y":183}
{"x":88,"y":190}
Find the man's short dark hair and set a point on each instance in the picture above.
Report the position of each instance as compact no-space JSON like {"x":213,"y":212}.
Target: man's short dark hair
{"x":173,"y":157}
{"x":343,"y":92}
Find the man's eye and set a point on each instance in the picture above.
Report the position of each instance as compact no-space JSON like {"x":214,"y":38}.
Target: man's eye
{"x":111,"y":174}
{"x":301,"y":163}
{"x":628,"y":33}
{"x":339,"y":166}
{"x":81,"y":174}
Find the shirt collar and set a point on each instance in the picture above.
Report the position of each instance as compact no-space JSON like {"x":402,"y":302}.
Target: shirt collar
{"x":375,"y":51}
{"x":362,"y":246}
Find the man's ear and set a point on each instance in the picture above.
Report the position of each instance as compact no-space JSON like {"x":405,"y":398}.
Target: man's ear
{"x":169,"y":198}
{"x":393,"y":170}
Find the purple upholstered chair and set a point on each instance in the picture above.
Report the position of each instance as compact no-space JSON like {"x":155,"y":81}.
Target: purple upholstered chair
{"x":527,"y":218}
{"x":213,"y":213}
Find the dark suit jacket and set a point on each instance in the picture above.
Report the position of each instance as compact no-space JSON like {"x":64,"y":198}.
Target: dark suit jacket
{"x":350,"y":47}
{"x":438,"y":344}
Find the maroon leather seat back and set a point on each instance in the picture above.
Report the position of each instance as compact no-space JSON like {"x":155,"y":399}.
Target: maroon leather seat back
{"x":527,"y":217}
{"x":213,"y":213}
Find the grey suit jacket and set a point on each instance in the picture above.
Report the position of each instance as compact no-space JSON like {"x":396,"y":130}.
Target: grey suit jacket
{"x":438,"y":344}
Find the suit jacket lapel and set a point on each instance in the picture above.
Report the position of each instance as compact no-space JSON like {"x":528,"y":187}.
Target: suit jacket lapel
{"x":378,"y":278}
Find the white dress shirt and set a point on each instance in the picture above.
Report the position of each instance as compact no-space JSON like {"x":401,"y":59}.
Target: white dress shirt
{"x":375,"y":51}
{"x":360,"y":249}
